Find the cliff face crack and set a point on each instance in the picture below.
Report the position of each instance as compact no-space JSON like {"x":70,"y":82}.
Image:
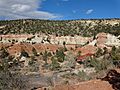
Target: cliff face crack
{"x":113,"y":77}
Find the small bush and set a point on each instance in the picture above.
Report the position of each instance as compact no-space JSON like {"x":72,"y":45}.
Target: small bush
{"x":83,"y":76}
{"x":55,"y":65}
{"x":24,"y":53}
{"x":12,"y":81}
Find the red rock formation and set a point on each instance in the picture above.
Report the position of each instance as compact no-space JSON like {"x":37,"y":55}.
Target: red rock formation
{"x":101,"y":39}
{"x":87,"y":49}
{"x":16,"y":36}
{"x":88,"y":85}
{"x":14,"y":49}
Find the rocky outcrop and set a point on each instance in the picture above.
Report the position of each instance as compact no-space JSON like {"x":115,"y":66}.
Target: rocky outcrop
{"x":112,"y":40}
{"x":70,"y":40}
{"x":52,"y":43}
{"x":87,"y":49}
{"x":102,"y":39}
{"x":88,"y":85}
{"x":45,"y":39}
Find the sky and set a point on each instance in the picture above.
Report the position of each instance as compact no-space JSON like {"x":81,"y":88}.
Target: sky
{"x":59,"y":9}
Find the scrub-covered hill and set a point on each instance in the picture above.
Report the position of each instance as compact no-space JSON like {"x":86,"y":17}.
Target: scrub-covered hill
{"x":66,"y":27}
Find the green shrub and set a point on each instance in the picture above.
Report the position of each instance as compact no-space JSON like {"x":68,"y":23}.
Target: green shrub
{"x":60,"y":55}
{"x":34,"y":52}
{"x":45,"y":56}
{"x":24,"y":53}
{"x":33,"y":65}
{"x":83,"y":76}
{"x":99,"y":65}
{"x":55,"y":65}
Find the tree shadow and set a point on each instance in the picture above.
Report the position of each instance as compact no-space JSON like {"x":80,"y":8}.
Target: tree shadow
{"x":113,"y":77}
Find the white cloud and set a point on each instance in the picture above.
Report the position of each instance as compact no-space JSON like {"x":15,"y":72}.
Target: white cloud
{"x":89,"y":11}
{"x":21,"y":9}
{"x":74,"y":11}
{"x":65,"y":0}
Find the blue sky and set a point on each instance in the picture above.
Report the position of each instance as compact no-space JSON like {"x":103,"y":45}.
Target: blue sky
{"x":59,"y":9}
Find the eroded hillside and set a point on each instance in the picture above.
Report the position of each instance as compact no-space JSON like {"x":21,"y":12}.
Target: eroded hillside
{"x":57,"y":55}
